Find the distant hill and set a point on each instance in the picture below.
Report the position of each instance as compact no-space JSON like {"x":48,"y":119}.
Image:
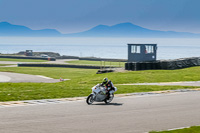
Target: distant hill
{"x":119,"y":30}
{"x":129,"y":30}
{"x":7,"y":29}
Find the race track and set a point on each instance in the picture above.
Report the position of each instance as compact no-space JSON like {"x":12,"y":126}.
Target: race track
{"x":130,"y":114}
{"x":19,"y":78}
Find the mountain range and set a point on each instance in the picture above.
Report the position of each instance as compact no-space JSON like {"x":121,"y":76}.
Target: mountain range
{"x":118,"y":30}
{"x":7,"y":29}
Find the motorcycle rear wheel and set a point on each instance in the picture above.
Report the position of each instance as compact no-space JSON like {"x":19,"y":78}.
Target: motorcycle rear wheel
{"x":110,"y":99}
{"x":90,"y":99}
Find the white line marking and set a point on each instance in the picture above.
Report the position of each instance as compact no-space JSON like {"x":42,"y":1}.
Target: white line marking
{"x":44,"y":77}
{"x":4,"y":78}
{"x":177,"y":128}
{"x":171,"y":129}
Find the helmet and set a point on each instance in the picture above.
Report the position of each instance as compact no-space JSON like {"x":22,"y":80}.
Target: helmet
{"x":105,"y":80}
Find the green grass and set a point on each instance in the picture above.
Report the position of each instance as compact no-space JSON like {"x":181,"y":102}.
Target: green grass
{"x":193,"y":129}
{"x":5,"y":64}
{"x":21,"y":60}
{"x":83,"y":79}
{"x":148,"y":76}
{"x":96,"y":63}
{"x":30,"y":91}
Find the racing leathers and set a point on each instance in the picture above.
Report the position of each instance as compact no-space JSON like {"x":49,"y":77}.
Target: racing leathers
{"x":109,"y":87}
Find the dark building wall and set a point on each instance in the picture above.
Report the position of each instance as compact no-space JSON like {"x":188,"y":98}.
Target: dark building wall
{"x":29,"y":52}
{"x":139,"y":52}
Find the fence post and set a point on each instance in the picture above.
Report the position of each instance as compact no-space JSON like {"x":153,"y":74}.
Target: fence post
{"x":100,"y":65}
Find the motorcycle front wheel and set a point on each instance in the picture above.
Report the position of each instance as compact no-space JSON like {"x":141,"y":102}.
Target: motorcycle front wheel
{"x":110,"y":99}
{"x":90,"y":99}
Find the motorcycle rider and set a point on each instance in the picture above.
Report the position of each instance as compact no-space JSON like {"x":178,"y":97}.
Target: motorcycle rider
{"x":109,"y":87}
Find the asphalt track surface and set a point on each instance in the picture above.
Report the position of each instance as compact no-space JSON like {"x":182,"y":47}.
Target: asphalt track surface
{"x":131,"y":114}
{"x":58,"y":61}
{"x":18,"y":78}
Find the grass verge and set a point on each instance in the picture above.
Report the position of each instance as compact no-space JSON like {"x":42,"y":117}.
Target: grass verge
{"x":33,"y":91}
{"x":96,"y":63}
{"x":83,"y":79}
{"x":5,"y":64}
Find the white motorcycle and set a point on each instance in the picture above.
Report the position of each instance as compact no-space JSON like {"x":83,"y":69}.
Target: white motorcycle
{"x":99,"y":95}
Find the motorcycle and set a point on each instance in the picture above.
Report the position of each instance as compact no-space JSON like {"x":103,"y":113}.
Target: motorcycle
{"x":99,"y":95}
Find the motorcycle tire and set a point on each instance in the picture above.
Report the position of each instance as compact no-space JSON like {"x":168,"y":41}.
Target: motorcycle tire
{"x":90,"y":99}
{"x":110,"y":99}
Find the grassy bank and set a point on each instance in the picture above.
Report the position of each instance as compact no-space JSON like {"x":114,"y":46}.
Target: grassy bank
{"x":30,"y":91}
{"x":96,"y":63}
{"x":83,"y":79}
{"x":5,"y":64}
{"x":193,"y":129}
{"x":21,"y":60}
{"x":90,"y":76}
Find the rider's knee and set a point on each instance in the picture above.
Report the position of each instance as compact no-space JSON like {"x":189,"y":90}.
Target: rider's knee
{"x":115,"y":88}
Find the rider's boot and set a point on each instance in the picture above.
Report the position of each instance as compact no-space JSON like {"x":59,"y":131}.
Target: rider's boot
{"x":108,"y":96}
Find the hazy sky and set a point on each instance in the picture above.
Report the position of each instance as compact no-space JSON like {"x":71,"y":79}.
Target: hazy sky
{"x":68,"y":16}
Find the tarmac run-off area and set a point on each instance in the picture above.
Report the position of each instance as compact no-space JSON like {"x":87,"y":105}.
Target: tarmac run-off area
{"x":125,"y":114}
{"x":17,"y":78}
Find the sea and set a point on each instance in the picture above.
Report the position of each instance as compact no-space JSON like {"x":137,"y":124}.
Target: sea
{"x":168,"y":48}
